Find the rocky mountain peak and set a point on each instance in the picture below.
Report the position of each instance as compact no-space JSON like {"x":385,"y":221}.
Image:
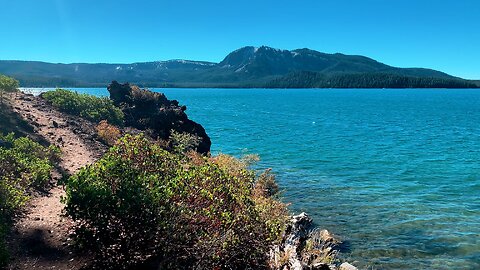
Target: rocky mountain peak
{"x":239,"y":57}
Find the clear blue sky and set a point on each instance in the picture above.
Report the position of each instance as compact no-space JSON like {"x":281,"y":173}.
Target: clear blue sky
{"x":438,"y":34}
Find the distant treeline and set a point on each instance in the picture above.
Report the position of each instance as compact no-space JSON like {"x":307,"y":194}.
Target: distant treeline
{"x":26,"y":81}
{"x":304,"y":79}
{"x":46,"y":82}
{"x":365,"y":80}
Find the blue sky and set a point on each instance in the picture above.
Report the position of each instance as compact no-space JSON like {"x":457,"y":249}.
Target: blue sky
{"x":441,"y":34}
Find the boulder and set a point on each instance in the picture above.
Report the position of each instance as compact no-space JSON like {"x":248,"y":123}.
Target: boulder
{"x":298,"y":229}
{"x":294,"y":238}
{"x":151,"y":111}
{"x":304,"y":247}
{"x":347,"y":266}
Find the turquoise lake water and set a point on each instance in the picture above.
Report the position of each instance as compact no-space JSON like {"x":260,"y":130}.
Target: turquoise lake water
{"x":395,"y":173}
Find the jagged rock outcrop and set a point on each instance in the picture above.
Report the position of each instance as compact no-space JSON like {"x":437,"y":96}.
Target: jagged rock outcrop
{"x":305,"y":249}
{"x":296,"y":234}
{"x":147,"y":110}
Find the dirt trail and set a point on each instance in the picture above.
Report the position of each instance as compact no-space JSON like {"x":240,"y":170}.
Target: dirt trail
{"x":41,"y":236}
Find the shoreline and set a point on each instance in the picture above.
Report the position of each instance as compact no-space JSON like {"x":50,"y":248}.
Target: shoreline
{"x":30,"y":109}
{"x":373,"y":188}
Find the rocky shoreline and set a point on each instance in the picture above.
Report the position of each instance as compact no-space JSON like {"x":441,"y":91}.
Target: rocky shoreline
{"x":307,"y":248}
{"x":302,"y":246}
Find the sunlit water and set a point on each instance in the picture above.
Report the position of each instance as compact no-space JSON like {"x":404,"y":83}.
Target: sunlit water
{"x":395,"y":173}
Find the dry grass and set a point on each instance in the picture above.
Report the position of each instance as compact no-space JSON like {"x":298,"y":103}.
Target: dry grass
{"x":108,"y":133}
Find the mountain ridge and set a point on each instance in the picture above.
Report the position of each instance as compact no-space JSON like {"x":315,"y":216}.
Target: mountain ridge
{"x":245,"y":67}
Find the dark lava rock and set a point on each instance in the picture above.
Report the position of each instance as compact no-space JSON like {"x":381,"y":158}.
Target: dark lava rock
{"x":72,"y":123}
{"x":27,"y":97}
{"x":147,"y":110}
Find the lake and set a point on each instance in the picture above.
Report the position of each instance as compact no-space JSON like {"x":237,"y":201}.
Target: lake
{"x":395,"y":173}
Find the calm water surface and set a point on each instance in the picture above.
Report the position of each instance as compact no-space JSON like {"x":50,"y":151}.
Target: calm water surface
{"x":395,"y":173}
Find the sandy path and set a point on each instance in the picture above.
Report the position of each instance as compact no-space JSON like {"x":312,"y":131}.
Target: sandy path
{"x":41,"y":237}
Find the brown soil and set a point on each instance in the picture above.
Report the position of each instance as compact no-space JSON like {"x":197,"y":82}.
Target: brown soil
{"x":40,"y":239}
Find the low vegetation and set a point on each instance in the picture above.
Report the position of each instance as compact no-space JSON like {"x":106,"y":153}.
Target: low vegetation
{"x":7,"y":84}
{"x":183,"y":142}
{"x":108,"y":133}
{"x":86,"y":106}
{"x":320,"y":247}
{"x":180,"y":210}
{"x":24,"y":165}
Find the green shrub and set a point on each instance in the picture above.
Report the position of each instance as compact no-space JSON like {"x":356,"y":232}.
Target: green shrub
{"x":270,"y":209}
{"x":7,"y":84}
{"x":24,"y":164}
{"x":183,"y":142}
{"x":86,"y":106}
{"x":140,"y":203}
{"x":122,"y":202}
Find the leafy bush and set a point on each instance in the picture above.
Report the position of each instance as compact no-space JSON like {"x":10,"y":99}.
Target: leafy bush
{"x":86,"y":106}
{"x":7,"y":84}
{"x":269,"y":208}
{"x":120,"y":202}
{"x":141,"y":203}
{"x":184,"y":142}
{"x":264,"y":194}
{"x":23,"y":164}
{"x":108,"y":133}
